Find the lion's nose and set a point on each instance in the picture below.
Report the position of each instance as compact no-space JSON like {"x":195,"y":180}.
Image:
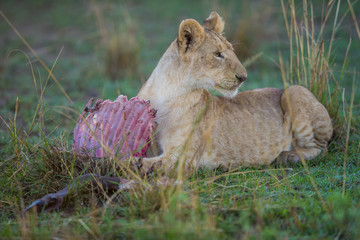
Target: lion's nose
{"x":241,"y":77}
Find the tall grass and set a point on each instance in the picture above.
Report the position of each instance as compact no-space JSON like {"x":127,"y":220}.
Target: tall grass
{"x":310,"y":61}
{"x":310,"y":65}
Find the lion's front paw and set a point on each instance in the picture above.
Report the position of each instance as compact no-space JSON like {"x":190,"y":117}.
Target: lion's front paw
{"x":145,"y":166}
{"x":151,"y":166}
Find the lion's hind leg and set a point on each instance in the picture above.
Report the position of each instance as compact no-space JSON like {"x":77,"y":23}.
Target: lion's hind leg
{"x":303,"y":145}
{"x":310,"y":124}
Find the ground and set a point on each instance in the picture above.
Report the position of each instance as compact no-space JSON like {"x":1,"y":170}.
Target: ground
{"x":320,"y":199}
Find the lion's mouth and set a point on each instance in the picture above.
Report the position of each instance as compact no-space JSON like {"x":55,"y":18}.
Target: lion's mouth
{"x":228,"y":88}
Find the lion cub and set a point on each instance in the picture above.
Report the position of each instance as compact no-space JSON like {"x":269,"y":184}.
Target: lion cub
{"x":246,"y":128}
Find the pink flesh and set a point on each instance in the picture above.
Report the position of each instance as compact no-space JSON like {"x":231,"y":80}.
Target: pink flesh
{"x":124,"y":128}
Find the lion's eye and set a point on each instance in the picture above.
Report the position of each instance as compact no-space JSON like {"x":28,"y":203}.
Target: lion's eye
{"x":219,"y":55}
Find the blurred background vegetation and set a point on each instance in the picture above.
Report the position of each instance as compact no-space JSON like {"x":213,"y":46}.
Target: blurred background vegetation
{"x":106,"y":48}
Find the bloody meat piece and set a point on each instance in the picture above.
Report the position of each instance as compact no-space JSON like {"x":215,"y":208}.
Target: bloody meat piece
{"x":123,"y":128}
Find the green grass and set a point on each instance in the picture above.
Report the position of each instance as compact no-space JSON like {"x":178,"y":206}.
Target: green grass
{"x":271,"y":202}
{"x":319,"y":200}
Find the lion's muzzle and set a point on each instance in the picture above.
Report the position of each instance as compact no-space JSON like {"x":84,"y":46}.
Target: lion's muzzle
{"x":241,"y":77}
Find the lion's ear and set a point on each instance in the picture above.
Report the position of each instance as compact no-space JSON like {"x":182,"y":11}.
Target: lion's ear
{"x":214,"y":22}
{"x":190,"y":36}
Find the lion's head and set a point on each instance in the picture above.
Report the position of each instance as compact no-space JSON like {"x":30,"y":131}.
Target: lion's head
{"x":210,"y":56}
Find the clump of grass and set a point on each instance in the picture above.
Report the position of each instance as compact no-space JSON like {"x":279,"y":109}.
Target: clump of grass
{"x":120,"y":44}
{"x":122,"y":57}
{"x":247,"y":37}
{"x":311,"y":57}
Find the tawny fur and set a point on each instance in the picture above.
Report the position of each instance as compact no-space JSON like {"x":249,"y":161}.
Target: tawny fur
{"x":246,"y":128}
